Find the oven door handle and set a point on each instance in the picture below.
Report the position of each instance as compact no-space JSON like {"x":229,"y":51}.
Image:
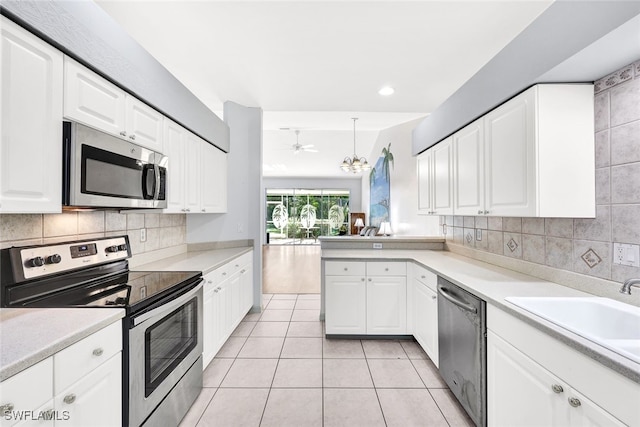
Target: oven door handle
{"x":449,"y":297}
{"x":168,"y":307}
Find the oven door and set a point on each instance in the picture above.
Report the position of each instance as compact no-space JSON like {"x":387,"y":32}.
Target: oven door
{"x":104,"y":171}
{"x":163,"y":344}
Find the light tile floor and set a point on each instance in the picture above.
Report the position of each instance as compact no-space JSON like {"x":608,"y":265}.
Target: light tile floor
{"x":277,"y":369}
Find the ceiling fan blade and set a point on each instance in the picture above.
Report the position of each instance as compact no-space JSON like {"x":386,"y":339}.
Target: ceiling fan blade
{"x":304,"y":147}
{"x":309,"y":150}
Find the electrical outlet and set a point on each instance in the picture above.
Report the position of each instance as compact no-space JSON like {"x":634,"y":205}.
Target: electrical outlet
{"x":377,"y":246}
{"x":626,"y":254}
{"x":478,"y":234}
{"x":240,"y":227}
{"x":143,"y":234}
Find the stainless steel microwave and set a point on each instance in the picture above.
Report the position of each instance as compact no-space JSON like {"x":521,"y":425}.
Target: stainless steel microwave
{"x":103,"y":171}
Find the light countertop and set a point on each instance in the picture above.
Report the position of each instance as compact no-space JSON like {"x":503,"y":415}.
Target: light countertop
{"x":29,"y":335}
{"x":205,"y":261}
{"x":492,"y":284}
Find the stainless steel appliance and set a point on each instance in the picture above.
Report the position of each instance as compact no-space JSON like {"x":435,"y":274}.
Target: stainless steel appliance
{"x":463,"y":347}
{"x":100,"y":170}
{"x":162,"y":329}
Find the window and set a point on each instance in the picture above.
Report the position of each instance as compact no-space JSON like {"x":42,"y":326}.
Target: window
{"x":300,"y":216}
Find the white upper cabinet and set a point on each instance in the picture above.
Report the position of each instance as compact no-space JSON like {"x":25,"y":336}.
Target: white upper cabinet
{"x":197,"y":171}
{"x":214,"y":179}
{"x":96,"y":102}
{"x":533,"y":156}
{"x":92,"y":100}
{"x":144,"y":125}
{"x":435,"y":179}
{"x":510,"y":157}
{"x":468,"y":170}
{"x":31,"y":74}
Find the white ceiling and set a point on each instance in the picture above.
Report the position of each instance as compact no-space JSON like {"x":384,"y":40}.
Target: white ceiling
{"x":312,"y":64}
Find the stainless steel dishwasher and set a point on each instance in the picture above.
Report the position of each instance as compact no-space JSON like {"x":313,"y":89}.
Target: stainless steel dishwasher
{"x":463,"y":348}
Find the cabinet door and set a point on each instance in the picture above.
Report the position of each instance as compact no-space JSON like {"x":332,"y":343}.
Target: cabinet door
{"x":144,"y":125}
{"x":345,"y":305}
{"x":31,"y":75}
{"x":193,"y":181}
{"x":425,"y":318}
{"x":468,"y":170}
{"x":17,"y":393}
{"x":234,"y":289}
{"x":519,"y":391}
{"x":588,"y":414}
{"x":443,"y":177}
{"x":175,"y":149}
{"x":425,"y":183}
{"x":96,"y":399}
{"x":246,"y":288}
{"x":386,"y":305}
{"x":221,"y":315}
{"x":208,"y":321}
{"x":510,"y":157}
{"x":92,"y":100}
{"x":214,"y":179}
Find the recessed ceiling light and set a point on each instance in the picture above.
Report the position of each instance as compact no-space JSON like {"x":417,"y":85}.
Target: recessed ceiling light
{"x":386,"y":91}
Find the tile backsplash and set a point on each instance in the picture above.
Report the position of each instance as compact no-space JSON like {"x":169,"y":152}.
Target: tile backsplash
{"x":580,"y":245}
{"x":162,"y":230}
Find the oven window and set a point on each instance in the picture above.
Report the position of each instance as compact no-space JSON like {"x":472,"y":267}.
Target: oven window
{"x":168,"y":342}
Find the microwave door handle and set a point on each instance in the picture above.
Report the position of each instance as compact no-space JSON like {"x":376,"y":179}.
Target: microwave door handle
{"x":156,"y":193}
{"x":146,"y":194}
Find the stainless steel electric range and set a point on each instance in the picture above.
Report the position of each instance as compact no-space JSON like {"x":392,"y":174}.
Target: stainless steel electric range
{"x":162,"y":329}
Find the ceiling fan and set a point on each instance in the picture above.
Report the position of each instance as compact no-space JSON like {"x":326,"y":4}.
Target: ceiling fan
{"x":297,"y":147}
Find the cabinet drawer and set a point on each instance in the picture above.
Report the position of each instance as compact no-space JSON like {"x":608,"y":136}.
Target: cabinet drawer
{"x":209,"y":282}
{"x":386,"y":269}
{"x":76,"y":361}
{"x":27,"y":390}
{"x":425,"y":276}
{"x":344,"y":268}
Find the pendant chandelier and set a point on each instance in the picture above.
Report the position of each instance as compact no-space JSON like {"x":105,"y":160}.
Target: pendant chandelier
{"x":355,"y":164}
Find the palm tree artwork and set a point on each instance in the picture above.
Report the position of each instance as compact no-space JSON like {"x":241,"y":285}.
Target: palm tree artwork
{"x":380,"y":187}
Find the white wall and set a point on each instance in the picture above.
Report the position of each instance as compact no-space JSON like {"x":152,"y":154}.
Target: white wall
{"x":404,"y":184}
{"x":245,"y":209}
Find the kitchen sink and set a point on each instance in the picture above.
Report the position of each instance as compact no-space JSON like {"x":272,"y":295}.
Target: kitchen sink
{"x":612,"y":324}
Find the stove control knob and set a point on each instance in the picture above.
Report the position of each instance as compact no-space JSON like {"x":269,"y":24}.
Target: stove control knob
{"x":122,"y":247}
{"x":54,"y":259}
{"x":112,"y":249}
{"x":36,"y":262}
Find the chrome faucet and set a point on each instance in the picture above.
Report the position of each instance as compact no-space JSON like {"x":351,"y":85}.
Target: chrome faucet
{"x":626,"y":288}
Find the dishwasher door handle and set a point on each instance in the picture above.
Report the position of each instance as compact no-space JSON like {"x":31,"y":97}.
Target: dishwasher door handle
{"x":445,"y":293}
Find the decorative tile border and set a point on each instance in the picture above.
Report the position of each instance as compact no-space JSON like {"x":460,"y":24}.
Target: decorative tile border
{"x":618,"y":77}
{"x":512,"y":245}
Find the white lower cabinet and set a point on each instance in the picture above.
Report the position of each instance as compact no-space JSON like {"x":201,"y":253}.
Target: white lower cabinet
{"x":535,"y":380}
{"x":78,"y":386}
{"x":425,"y":311}
{"x":365,"y":298}
{"x":228,"y":296}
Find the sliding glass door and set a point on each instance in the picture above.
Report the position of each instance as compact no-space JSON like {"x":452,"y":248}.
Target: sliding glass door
{"x":299,"y":216}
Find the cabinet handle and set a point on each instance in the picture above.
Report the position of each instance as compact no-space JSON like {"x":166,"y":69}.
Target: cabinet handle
{"x":574,"y":401}
{"x":69,"y":399}
{"x":7,"y":407}
{"x":386,"y":269}
{"x":237,"y":265}
{"x":123,"y":133}
{"x":346,"y":269}
{"x":243,"y":270}
{"x":204,"y":210}
{"x":369,"y":278}
{"x":224,"y":274}
{"x":98,"y":352}
{"x":362,"y":280}
{"x":557,"y":388}
{"x":183,"y":210}
{"x":188,"y":210}
{"x":209,"y":281}
{"x":433,"y":297}
{"x":486,"y":212}
{"x":479,"y":212}
{"x":132,"y":137}
{"x":423,"y":277}
{"x":219,"y":288}
{"x":216,"y":290}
